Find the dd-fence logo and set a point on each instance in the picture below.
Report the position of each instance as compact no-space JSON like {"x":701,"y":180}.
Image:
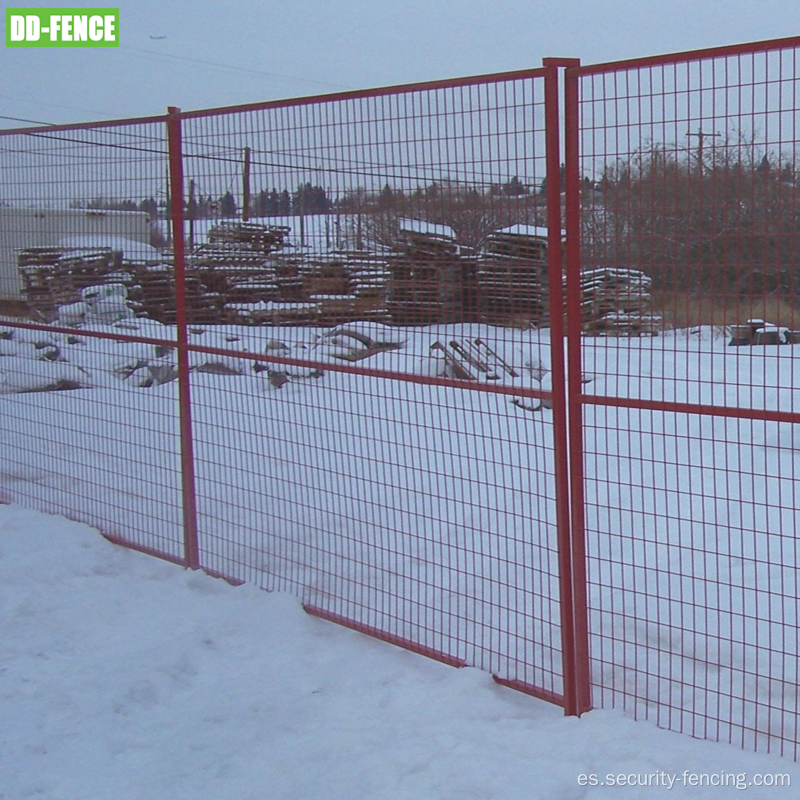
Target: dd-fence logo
{"x":62,"y":27}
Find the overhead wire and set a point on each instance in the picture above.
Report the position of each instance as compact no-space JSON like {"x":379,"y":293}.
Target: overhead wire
{"x":233,"y":67}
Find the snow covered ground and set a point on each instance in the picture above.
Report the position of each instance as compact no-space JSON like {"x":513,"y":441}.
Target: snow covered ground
{"x":429,"y":512}
{"x":126,"y":677}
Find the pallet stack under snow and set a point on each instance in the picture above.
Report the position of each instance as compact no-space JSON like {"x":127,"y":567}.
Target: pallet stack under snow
{"x":616,"y":302}
{"x":511,"y":275}
{"x":242,"y":274}
{"x":245,"y":274}
{"x":55,"y":276}
{"x":513,"y":286}
{"x":426,"y":274}
{"x":236,"y":264}
{"x":325,"y":289}
{"x":259,"y":281}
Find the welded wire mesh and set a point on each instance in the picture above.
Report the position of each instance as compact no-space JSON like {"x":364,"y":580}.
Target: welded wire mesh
{"x":688,"y":198}
{"x":343,"y":397}
{"x":89,"y":423}
{"x":367,"y":424}
{"x":316,"y":345}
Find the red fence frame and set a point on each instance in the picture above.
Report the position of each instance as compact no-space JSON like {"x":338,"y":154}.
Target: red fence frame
{"x":696,"y":721}
{"x":568,"y":397}
{"x":574,"y":685}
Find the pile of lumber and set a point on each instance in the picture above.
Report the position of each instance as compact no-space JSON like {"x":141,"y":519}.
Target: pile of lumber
{"x":151,"y":291}
{"x":236,"y":264}
{"x":346,"y":285}
{"x":616,"y":302}
{"x":511,"y":278}
{"x":370,"y":276}
{"x":511,"y":288}
{"x":233,"y":267}
{"x":521,"y":242}
{"x":249,"y":236}
{"x":423,"y":240}
{"x":426,"y":275}
{"x":327,"y":289}
{"x":235,"y":274}
{"x":272,"y":313}
{"x":244,"y":274}
{"x":511,"y":275}
{"x":55,"y":276}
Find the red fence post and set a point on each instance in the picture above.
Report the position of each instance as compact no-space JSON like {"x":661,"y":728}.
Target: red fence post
{"x":174,"y":139}
{"x":572,"y":215}
{"x":560,"y":432}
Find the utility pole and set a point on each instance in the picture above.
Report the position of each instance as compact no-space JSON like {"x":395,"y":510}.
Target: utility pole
{"x":246,"y":186}
{"x":701,"y":137}
{"x":192,"y":214}
{"x":301,"y":196}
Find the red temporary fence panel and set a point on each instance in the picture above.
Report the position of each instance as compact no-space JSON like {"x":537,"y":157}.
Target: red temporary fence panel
{"x":498,"y":369}
{"x":105,"y":452}
{"x":681,"y":185}
{"x":393,"y":494}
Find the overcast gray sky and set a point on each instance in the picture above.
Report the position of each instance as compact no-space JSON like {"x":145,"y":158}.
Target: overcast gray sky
{"x":264,"y":51}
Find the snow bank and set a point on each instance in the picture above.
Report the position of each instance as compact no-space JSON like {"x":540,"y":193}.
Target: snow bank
{"x":429,"y":511}
{"x":127,"y":677}
{"x":18,"y":375}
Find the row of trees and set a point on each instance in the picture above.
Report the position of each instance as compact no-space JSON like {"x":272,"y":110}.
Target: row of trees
{"x":727,"y":223}
{"x":307,"y":199}
{"x":312,"y":199}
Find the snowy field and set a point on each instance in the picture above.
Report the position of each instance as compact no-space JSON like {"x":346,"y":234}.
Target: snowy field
{"x":127,"y":677}
{"x":428,"y":511}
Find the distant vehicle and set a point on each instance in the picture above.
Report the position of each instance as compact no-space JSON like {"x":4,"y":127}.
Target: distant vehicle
{"x":30,"y":227}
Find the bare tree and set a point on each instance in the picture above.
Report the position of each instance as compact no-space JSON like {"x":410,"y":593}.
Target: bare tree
{"x":731,"y":227}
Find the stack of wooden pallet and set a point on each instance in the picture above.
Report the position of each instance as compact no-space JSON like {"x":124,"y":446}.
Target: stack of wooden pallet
{"x":282,"y":299}
{"x":426,"y":275}
{"x":426,"y":240}
{"x":249,"y":236}
{"x":237,"y":264}
{"x":151,"y":290}
{"x":327,"y":288}
{"x":511,"y":275}
{"x":236,"y":274}
{"x":370,"y":277}
{"x":54,"y":276}
{"x":272,"y":313}
{"x":616,"y":302}
{"x":521,"y":242}
{"x":244,"y":274}
{"x":233,"y":267}
{"x":326,"y":283}
{"x":511,"y":288}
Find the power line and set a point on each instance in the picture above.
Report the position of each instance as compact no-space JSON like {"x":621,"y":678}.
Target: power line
{"x":22,"y":119}
{"x":348,"y":166}
{"x":249,"y":70}
{"x":96,"y":131}
{"x":345,"y":166}
{"x":57,"y":105}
